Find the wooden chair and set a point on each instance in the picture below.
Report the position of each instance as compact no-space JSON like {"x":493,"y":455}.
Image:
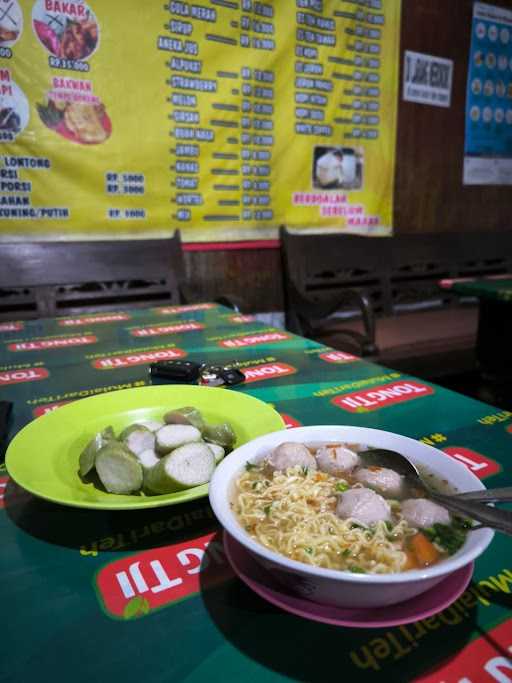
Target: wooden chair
{"x":318,"y":284}
{"x":39,"y":279}
{"x":380,"y":298}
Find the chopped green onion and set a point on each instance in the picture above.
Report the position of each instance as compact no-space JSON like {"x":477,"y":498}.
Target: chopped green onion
{"x":308,"y":550}
{"x":304,"y":470}
{"x":449,"y":537}
{"x":267,"y":508}
{"x":356,"y":570}
{"x":341,"y":486}
{"x":249,"y":466}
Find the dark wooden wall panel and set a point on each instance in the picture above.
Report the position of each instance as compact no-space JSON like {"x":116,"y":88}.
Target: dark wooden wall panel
{"x":429,"y":194}
{"x":251,"y":275}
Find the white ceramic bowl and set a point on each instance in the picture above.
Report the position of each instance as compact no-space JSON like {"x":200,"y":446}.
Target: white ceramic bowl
{"x":330,"y":586}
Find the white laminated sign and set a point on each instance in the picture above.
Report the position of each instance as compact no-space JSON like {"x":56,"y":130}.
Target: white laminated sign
{"x":427,"y":79}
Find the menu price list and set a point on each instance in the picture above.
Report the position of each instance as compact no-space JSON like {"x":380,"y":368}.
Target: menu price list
{"x":358,"y":73}
{"x":222,"y":109}
{"x":125,"y":183}
{"x":225,"y":114}
{"x":16,"y":186}
{"x":338,"y":72}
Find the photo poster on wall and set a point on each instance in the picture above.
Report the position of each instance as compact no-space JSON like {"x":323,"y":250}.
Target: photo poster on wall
{"x":225,"y":119}
{"x":488,"y":138}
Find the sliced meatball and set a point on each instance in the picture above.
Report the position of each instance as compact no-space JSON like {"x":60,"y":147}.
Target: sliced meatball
{"x":364,"y":506}
{"x":336,"y":459}
{"x":423,"y":513}
{"x":380,"y":478}
{"x":139,"y":440}
{"x":152,"y":425}
{"x":291,"y":454}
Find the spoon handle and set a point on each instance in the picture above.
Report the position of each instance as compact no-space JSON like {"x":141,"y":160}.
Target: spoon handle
{"x":501,"y":495}
{"x":501,"y":520}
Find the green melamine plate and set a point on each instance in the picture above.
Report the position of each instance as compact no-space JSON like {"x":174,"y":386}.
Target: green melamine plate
{"x":43,"y":457}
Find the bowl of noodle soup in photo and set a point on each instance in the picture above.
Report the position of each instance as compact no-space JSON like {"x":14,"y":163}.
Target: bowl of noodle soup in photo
{"x":335,"y":530}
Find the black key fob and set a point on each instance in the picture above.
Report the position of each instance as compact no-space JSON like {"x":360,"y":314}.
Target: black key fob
{"x":232,"y":376}
{"x":179,"y":371}
{"x":217,"y":376}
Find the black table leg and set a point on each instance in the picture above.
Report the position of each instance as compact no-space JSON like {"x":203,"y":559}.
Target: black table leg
{"x":494,"y":340}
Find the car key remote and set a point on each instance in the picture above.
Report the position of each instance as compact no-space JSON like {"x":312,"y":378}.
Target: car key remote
{"x":179,"y":371}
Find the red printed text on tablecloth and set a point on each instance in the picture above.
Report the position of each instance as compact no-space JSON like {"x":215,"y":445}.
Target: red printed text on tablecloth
{"x":382,"y":396}
{"x":157,"y":330}
{"x":479,"y":464}
{"x":241,"y":319}
{"x":338,"y":357}
{"x":94,"y":319}
{"x":257,"y":373}
{"x":48,"y":408}
{"x":289,"y":421}
{"x":56,"y":343}
{"x":136,"y":585}
{"x":3,"y":486}
{"x":254,"y":339}
{"x":23,"y":375}
{"x":127,"y":359}
{"x":486,"y":660}
{"x":170,"y":310}
{"x":14,"y":326}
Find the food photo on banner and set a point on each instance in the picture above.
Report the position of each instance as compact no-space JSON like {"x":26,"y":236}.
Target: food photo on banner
{"x":225,"y":124}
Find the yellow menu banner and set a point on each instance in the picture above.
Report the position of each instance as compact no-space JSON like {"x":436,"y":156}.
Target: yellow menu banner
{"x":223,"y":118}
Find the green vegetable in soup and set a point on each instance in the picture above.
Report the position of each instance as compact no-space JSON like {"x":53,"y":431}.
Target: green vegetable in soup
{"x":341,"y":486}
{"x":449,"y":537}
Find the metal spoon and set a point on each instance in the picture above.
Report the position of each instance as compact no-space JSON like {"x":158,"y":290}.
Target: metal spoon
{"x":501,"y":520}
{"x":501,"y":495}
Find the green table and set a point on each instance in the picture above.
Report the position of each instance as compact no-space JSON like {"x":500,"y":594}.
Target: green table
{"x":494,"y":337}
{"x":65,"y":613}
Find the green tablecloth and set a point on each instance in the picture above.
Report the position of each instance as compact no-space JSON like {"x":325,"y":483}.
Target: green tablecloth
{"x":497,"y":289}
{"x":68,"y":613}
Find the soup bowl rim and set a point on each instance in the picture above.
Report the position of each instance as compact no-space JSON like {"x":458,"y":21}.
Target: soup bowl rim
{"x":232,"y":466}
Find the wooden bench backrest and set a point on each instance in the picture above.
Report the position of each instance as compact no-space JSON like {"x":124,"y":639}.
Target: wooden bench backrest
{"x":322,"y":266}
{"x":40,"y":279}
{"x":394,"y":272}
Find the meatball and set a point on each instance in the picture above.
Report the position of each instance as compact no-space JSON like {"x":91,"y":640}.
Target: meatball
{"x":423,"y":513}
{"x":380,"y":478}
{"x":364,"y":506}
{"x":291,"y":454}
{"x":336,"y":459}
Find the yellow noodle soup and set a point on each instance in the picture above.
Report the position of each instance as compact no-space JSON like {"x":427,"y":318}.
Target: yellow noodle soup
{"x":295,"y":520}
{"x":299,"y":511}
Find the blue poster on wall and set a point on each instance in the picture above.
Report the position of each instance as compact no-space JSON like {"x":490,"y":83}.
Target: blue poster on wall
{"x":488,"y":140}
